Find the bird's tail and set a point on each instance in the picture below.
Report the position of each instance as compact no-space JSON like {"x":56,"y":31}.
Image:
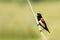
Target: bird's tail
{"x":48,"y":30}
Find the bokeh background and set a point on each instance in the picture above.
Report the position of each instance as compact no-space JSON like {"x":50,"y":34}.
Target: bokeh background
{"x":17,"y":21}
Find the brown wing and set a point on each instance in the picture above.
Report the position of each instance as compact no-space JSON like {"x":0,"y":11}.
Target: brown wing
{"x":43,"y":22}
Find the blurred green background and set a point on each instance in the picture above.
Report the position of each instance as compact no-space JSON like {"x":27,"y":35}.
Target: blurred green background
{"x":17,"y":21}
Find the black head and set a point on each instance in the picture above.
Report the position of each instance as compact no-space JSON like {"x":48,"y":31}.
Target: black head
{"x":39,"y":16}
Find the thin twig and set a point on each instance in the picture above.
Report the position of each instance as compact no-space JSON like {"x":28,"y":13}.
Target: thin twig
{"x":42,"y":34}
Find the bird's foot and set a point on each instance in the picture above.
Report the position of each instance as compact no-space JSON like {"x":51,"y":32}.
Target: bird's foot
{"x":41,"y":30}
{"x":37,"y":24}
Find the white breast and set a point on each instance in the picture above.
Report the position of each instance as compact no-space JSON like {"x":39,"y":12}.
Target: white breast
{"x":41,"y":23}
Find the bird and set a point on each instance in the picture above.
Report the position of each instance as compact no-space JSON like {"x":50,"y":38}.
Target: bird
{"x":41,"y":22}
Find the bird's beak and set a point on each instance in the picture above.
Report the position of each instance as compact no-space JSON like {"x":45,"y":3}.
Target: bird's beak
{"x":35,"y":14}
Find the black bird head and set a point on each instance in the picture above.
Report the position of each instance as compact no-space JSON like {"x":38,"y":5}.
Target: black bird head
{"x":39,"y":16}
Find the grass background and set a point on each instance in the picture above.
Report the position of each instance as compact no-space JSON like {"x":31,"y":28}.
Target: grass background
{"x":17,"y":21}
